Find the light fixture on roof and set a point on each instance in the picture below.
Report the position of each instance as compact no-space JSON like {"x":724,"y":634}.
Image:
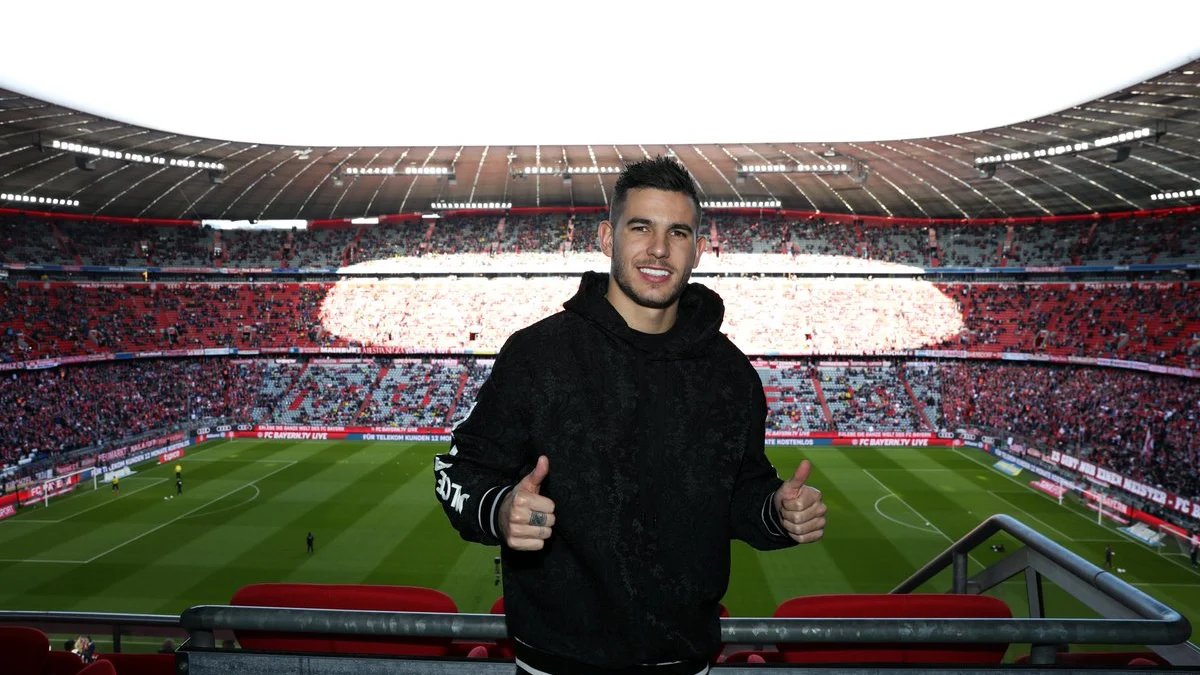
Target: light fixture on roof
{"x":760,"y":204}
{"x":136,"y":157}
{"x":568,"y":170}
{"x":798,"y":167}
{"x":369,"y":170}
{"x":1178,"y":194}
{"x":1071,"y":147}
{"x":39,"y":200}
{"x":471,"y":206}
{"x":193,"y":164}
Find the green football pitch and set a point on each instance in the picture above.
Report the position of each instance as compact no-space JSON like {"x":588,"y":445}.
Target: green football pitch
{"x":248,"y":505}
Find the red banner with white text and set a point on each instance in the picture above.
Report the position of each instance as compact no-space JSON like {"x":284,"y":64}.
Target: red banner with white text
{"x":8,"y":505}
{"x":1184,"y":505}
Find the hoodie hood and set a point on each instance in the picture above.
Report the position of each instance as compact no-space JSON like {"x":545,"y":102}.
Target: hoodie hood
{"x":697,"y":323}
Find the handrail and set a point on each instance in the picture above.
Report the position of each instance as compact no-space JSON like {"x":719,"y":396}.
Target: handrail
{"x":1113,"y":586}
{"x":101,"y":618}
{"x":1131,"y":616}
{"x":203,"y":618}
{"x":121,"y":623}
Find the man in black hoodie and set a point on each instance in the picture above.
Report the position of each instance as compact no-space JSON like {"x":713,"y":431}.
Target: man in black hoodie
{"x":616,"y":449}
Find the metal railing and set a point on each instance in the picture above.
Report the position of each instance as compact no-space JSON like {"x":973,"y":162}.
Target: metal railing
{"x":1128,"y":617}
{"x":119,"y":625}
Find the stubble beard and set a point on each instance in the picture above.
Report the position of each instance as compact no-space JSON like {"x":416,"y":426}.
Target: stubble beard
{"x":621,"y":274}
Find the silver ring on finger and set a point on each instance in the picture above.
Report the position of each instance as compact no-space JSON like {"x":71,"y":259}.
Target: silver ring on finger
{"x":537,"y":518}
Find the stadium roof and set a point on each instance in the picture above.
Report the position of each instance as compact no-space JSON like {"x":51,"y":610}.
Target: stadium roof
{"x":59,"y":125}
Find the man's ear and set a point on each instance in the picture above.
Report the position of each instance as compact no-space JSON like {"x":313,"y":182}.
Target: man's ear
{"x":605,"y":235}
{"x":701,"y":248}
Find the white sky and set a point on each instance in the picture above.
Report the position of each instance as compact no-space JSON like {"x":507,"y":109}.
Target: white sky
{"x":465,"y":72}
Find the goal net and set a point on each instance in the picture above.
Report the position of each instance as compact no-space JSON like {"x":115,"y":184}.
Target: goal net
{"x":1178,"y":541}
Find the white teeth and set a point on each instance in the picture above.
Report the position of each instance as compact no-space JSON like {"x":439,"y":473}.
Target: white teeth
{"x":654,"y":272}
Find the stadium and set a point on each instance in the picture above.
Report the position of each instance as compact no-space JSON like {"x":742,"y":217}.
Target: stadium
{"x":215,"y":345}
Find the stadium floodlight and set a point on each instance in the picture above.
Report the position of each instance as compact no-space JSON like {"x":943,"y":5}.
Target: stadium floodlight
{"x":1178,"y":194}
{"x":569,"y":170}
{"x":798,"y":167}
{"x":1066,"y":148}
{"x":471,"y":206}
{"x":38,"y":200}
{"x":760,"y":204}
{"x":136,"y":157}
{"x":369,"y":170}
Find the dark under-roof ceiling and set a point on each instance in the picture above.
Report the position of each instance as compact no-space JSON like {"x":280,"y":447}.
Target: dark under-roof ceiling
{"x":914,"y":178}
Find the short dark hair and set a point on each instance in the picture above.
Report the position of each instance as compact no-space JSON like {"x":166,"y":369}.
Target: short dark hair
{"x":660,"y":173}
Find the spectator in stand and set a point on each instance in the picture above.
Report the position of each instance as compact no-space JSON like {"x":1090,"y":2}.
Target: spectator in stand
{"x":1112,"y":416}
{"x":71,"y":407}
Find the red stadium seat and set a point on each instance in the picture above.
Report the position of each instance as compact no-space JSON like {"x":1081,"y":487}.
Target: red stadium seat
{"x":344,"y":596}
{"x":913,"y":605}
{"x":99,"y":668}
{"x":23,"y":651}
{"x":62,"y":663}
{"x":142,"y":664}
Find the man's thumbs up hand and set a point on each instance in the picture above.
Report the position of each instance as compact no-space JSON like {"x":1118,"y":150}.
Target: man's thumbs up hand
{"x":800,"y":506}
{"x":526,"y":518}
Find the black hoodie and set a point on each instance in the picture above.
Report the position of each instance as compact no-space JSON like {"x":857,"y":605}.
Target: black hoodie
{"x":656,"y":458}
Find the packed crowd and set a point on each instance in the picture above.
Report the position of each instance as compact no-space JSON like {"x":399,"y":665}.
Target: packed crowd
{"x":908,"y":245}
{"x":546,"y":234}
{"x":740,"y":234}
{"x":405,"y":239}
{"x":1149,"y":322}
{"x":1181,"y":243}
{"x":969,"y":245}
{"x":1173,"y":238}
{"x":321,"y":248}
{"x":1102,"y":413}
{"x":51,"y":411}
{"x":1143,"y":425}
{"x":253,"y":248}
{"x":69,"y":319}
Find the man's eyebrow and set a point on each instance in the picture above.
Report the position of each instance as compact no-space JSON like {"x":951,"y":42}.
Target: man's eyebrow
{"x":641,"y":220}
